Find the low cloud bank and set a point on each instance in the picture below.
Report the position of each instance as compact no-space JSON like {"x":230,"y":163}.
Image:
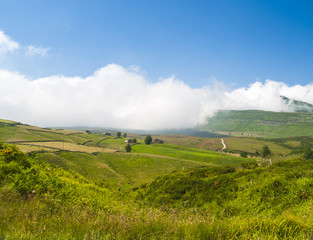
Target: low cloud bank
{"x":122,"y":98}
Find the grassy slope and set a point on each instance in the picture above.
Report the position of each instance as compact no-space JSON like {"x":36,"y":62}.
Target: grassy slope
{"x":114,"y":168}
{"x":117,"y":169}
{"x":103,"y":159}
{"x":261,"y":123}
{"x":251,"y":145}
{"x":213,"y":144}
{"x":209,"y":202}
{"x":133,"y":169}
{"x":205,"y":203}
{"x":273,"y":187}
{"x":189,"y":154}
{"x":275,"y":200}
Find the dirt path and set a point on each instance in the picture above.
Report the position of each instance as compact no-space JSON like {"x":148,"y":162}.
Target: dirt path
{"x":224,"y":145}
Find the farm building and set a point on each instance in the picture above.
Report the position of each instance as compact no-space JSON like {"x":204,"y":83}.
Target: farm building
{"x":106,"y":134}
{"x":158,"y":141}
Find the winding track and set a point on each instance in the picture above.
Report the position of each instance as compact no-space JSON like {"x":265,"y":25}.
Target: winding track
{"x":224,"y":145}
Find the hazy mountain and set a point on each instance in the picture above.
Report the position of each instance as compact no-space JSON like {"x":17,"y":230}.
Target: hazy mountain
{"x":261,"y":123}
{"x":298,"y":106}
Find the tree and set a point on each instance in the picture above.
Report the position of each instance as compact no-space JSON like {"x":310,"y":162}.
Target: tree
{"x":148,"y":139}
{"x":118,"y":134}
{"x":266,"y":151}
{"x":128,"y":148}
{"x":134,"y":140}
{"x":125,"y":135}
{"x":243,"y":154}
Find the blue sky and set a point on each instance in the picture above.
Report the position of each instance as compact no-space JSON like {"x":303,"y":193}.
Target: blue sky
{"x":235,"y":42}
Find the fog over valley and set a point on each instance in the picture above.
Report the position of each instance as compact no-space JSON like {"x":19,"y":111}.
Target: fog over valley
{"x":119,"y":97}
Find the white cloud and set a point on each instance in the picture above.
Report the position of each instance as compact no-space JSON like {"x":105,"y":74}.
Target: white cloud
{"x":7,"y":44}
{"x":32,"y":51}
{"x":116,"y":97}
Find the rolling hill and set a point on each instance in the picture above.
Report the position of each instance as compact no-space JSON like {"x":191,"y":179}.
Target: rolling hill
{"x":73,"y":185}
{"x":297,"y":106}
{"x":261,"y":123}
{"x":103,"y":159}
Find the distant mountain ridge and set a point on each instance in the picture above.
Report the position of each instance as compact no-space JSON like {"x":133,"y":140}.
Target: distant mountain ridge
{"x":297,"y":122}
{"x":261,"y":123}
{"x":298,"y":106}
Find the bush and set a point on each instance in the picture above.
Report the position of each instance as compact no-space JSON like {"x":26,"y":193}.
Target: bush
{"x":249,"y":165}
{"x":266,"y":151}
{"x":128,"y":148}
{"x":243,"y":154}
{"x":11,"y":153}
{"x":148,"y":139}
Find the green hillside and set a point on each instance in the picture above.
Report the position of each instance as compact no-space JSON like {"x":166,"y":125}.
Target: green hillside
{"x":298,"y":106}
{"x":251,"y":201}
{"x":261,"y":123}
{"x":103,"y":159}
{"x":73,"y":185}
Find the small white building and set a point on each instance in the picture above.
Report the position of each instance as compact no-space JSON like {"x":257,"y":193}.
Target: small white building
{"x":106,"y":134}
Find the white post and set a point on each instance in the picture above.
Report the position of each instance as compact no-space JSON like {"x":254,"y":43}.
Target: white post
{"x":270,"y":161}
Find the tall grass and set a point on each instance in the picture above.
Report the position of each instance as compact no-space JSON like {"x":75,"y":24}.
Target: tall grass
{"x":41,"y":201}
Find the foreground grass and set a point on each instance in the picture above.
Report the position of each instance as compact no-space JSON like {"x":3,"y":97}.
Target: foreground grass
{"x":34,"y":218}
{"x":39,"y":201}
{"x":118,"y":169}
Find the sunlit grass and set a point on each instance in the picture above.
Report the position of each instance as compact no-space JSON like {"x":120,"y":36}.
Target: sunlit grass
{"x":189,"y":154}
{"x":69,"y":147}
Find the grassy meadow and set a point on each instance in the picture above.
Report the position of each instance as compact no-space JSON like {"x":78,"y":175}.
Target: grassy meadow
{"x":61,"y":184}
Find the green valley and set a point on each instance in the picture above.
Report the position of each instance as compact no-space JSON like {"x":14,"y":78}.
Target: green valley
{"x":65,"y":184}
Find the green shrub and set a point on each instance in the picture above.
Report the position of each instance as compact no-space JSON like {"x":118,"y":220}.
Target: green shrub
{"x":148,"y":139}
{"x":243,"y":154}
{"x":128,"y":148}
{"x":266,"y":151}
{"x":249,"y":165}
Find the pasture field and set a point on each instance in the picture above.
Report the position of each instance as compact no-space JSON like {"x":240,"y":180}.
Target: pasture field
{"x":103,"y":158}
{"x":73,"y":185}
{"x":39,"y":200}
{"x":119,"y":169}
{"x":73,"y":147}
{"x":188,"y":154}
{"x":21,"y":135}
{"x":252,"y":145}
{"x":213,"y":144}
